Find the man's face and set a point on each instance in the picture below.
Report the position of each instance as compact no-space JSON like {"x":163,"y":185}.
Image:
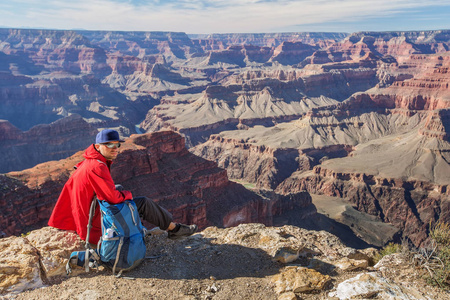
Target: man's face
{"x":109,"y":150}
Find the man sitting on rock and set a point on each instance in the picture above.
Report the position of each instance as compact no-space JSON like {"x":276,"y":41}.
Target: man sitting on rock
{"x":92,"y":178}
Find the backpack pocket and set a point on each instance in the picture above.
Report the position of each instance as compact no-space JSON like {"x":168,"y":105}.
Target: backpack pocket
{"x":132,"y":252}
{"x":109,"y":247}
{"x":122,"y":243}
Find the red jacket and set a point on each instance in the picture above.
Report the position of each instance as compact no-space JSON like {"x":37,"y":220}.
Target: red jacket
{"x":92,"y":177}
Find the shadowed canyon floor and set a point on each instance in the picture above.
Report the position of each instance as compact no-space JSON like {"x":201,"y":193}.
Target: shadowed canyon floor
{"x":366,"y":226}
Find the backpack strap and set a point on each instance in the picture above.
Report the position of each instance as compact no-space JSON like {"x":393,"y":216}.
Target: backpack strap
{"x":91,"y":217}
{"x":117,"y":258}
{"x":88,"y":258}
{"x":78,"y":258}
{"x":89,"y":226}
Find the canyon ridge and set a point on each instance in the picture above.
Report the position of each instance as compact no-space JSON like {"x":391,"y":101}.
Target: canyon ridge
{"x":335,"y":131}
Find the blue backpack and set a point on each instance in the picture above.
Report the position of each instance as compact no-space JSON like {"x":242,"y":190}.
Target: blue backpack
{"x":122,"y":245}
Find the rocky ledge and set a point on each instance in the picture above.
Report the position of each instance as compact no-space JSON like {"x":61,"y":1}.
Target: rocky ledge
{"x":249,"y":261}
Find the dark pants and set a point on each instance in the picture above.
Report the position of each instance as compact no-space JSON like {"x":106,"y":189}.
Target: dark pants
{"x":153,"y":213}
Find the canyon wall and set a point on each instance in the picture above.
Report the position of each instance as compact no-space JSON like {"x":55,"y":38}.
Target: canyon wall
{"x":412,"y":206}
{"x":57,"y":140}
{"x":282,"y":112}
{"x":386,"y":150}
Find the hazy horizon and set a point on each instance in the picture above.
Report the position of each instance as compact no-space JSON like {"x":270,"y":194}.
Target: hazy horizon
{"x":231,"y":16}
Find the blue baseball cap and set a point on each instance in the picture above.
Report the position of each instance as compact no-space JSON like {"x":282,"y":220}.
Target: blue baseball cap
{"x":107,"y":135}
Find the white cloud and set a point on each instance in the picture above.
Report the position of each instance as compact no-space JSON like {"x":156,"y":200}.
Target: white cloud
{"x":197,"y":16}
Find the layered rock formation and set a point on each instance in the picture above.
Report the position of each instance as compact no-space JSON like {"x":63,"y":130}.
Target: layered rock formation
{"x":221,"y":41}
{"x":283,"y":111}
{"x":298,"y":74}
{"x":388,"y":147}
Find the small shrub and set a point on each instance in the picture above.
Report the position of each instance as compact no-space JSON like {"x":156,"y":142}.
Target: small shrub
{"x":441,"y":234}
{"x":25,"y":234}
{"x":436,"y":258}
{"x":390,"y":248}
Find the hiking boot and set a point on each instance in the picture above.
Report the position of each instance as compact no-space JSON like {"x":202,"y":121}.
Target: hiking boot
{"x":181,"y":231}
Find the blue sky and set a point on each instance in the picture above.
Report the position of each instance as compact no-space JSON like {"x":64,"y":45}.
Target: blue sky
{"x":227,"y":16}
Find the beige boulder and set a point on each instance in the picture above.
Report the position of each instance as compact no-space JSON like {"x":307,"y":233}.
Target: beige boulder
{"x":348,"y":264}
{"x":55,"y":246}
{"x":369,"y":285}
{"x":26,"y":262}
{"x":19,"y":266}
{"x":299,"y":280}
{"x":371,"y":253}
{"x":286,"y":255}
